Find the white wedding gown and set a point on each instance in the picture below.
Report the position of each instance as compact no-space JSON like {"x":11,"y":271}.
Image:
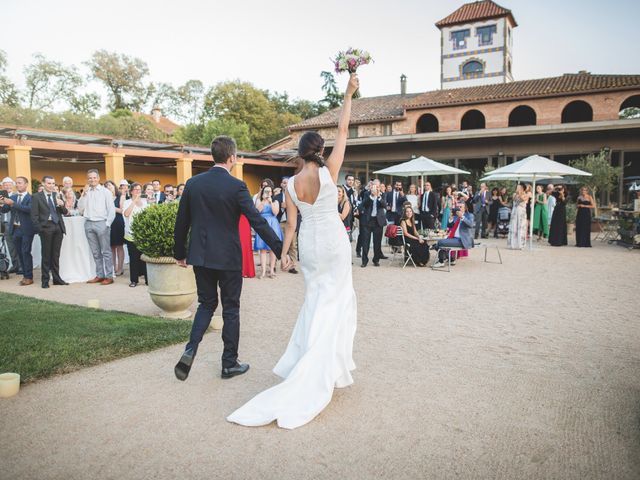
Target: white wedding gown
{"x":319,"y":355}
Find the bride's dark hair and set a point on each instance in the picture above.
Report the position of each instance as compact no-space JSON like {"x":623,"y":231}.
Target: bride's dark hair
{"x":310,"y":148}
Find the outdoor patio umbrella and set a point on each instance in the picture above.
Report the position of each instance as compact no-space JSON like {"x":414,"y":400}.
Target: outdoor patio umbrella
{"x":538,"y":167}
{"x":517,"y":177}
{"x":420,"y":166}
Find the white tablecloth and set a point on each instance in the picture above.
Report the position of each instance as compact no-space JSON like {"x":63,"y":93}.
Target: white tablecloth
{"x":76,"y":261}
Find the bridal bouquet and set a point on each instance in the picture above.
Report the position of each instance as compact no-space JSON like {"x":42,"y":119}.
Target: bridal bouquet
{"x":350,"y":60}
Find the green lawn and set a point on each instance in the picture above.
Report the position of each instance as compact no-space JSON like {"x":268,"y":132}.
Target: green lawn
{"x":40,"y":338}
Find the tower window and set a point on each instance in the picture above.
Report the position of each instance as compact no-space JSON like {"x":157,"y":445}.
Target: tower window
{"x":472,"y":67}
{"x":485,"y":34}
{"x":353,"y":132}
{"x":459,"y":39}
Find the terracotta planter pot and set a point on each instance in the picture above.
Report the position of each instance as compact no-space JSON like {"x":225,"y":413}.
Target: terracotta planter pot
{"x":172,"y":288}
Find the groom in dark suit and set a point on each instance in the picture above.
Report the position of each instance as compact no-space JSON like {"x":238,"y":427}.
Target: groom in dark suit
{"x":210,"y":209}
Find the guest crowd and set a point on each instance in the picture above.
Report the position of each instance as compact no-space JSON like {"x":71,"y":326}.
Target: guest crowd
{"x":108,"y":212}
{"x":458,"y":215}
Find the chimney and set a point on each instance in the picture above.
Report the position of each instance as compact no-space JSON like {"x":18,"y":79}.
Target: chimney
{"x":403,"y":84}
{"x":156,"y":113}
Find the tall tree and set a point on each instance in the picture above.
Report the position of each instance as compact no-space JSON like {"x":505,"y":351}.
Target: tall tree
{"x":244,"y":103}
{"x":47,"y":83}
{"x":124,"y":78}
{"x":332,"y":97}
{"x":203,"y":133}
{"x":603,"y":175}
{"x":8,"y":92}
{"x":191,"y":101}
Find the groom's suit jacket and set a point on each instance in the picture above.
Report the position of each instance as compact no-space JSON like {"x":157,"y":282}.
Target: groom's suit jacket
{"x":210,"y":209}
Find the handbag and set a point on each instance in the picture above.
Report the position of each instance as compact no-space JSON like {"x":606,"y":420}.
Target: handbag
{"x":391,"y":231}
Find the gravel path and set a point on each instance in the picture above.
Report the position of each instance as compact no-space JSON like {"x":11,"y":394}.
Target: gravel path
{"x":525,"y":370}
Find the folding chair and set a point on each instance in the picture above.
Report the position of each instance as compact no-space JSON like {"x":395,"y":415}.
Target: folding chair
{"x":406,"y":249}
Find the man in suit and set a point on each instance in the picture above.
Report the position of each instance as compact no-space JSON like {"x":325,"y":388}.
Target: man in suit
{"x":20,"y":226}
{"x":158,"y":195}
{"x":282,"y":218}
{"x":9,"y":185}
{"x":395,"y":199}
{"x":46,"y":214}
{"x":481,"y":206}
{"x":352,"y":196}
{"x":372,"y":220}
{"x":428,"y":207}
{"x":210,"y":209}
{"x":463,"y":223}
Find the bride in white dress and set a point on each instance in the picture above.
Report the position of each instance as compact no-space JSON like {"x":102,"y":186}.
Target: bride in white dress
{"x":319,"y":355}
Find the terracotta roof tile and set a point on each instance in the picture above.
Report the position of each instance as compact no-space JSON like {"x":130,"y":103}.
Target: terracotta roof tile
{"x":363,"y":110}
{"x":569,"y":83}
{"x":392,"y":107}
{"x":164,"y":124}
{"x":471,"y":12}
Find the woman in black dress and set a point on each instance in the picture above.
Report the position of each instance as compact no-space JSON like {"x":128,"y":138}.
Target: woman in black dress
{"x":418,"y":247}
{"x":583,"y":218}
{"x":558,"y":228}
{"x":117,"y":231}
{"x":344,"y":208}
{"x":493,"y":209}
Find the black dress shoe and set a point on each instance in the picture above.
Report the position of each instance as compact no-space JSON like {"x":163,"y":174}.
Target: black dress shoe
{"x":384,"y":257}
{"x":238,"y":369}
{"x":293,"y":270}
{"x":364,"y":264}
{"x":60,"y":282}
{"x":183,"y":367}
{"x":45,"y":284}
{"x":376,"y":264}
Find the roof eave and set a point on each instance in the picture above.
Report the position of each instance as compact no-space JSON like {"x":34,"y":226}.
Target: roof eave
{"x":441,"y":25}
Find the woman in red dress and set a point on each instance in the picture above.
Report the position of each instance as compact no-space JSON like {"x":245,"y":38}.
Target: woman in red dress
{"x":248,"y":267}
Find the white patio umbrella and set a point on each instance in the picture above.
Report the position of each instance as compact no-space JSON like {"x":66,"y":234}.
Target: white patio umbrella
{"x":419,"y":167}
{"x":517,"y":177}
{"x":538,"y":168}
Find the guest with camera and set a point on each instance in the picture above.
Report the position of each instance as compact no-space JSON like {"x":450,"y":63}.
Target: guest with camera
{"x":462,"y":226}
{"x":8,"y":189}
{"x":20,"y":226}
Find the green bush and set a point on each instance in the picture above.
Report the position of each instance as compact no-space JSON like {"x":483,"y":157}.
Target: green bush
{"x":152,"y":229}
{"x":572,"y":212}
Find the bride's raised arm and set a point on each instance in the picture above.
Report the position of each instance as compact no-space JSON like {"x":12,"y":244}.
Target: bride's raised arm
{"x":334,"y":162}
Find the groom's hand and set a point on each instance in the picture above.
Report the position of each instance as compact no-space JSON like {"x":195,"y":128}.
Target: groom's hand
{"x":182,"y":263}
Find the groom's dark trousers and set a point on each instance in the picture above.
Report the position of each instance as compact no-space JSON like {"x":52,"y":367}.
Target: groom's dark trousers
{"x":208,"y":216}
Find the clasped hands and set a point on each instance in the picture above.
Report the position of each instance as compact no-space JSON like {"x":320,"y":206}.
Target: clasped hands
{"x":286,"y":262}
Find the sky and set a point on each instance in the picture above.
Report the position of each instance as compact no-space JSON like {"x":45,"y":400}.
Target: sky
{"x":283,"y":45}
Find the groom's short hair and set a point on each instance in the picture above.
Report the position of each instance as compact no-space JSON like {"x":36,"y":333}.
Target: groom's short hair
{"x":222,"y":147}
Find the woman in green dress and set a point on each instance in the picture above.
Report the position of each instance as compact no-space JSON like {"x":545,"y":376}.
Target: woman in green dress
{"x":541,"y":214}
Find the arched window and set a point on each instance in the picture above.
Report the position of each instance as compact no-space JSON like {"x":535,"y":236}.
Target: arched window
{"x":630,"y":108}
{"x":521,"y":116}
{"x":577,"y":111}
{"x":472,"y":67}
{"x":427,"y":123}
{"x":472,"y":120}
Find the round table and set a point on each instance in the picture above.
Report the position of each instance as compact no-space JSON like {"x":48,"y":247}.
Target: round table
{"x":76,"y":260}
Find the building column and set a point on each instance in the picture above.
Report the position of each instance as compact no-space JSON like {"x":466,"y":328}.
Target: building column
{"x":183,"y":170}
{"x":455,"y":164}
{"x":237,"y":170}
{"x":19,"y":161}
{"x":114,"y":166}
{"x":621,"y":180}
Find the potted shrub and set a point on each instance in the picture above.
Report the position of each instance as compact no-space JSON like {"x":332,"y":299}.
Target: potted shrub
{"x":572,"y":212}
{"x":172,"y":288}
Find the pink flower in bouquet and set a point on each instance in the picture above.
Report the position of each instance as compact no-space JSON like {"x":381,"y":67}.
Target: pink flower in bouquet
{"x":350,"y":60}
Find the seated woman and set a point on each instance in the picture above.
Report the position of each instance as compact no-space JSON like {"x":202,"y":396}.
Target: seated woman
{"x":418,"y":247}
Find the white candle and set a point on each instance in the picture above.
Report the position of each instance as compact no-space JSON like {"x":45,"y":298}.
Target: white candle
{"x":217,"y":322}
{"x":93,"y":303}
{"x":9,"y":384}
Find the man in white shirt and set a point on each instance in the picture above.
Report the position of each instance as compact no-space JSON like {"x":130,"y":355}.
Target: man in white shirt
{"x":97,"y":206}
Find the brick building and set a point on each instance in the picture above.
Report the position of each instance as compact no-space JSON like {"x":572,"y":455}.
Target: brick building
{"x":561,"y":117}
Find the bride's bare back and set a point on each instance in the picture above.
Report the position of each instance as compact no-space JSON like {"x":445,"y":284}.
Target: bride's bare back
{"x":307,"y":184}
